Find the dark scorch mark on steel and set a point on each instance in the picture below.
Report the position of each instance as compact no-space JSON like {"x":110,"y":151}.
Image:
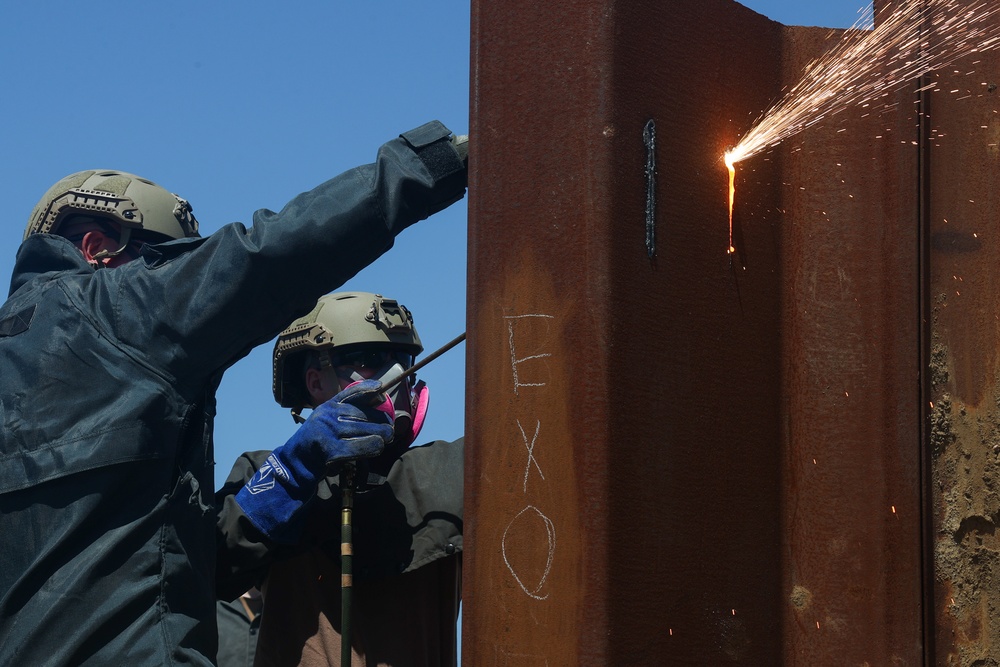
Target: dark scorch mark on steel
{"x":649,"y":139}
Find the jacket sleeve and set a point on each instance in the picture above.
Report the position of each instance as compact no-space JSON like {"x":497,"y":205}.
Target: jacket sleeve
{"x":224,"y":294}
{"x":243,"y":553}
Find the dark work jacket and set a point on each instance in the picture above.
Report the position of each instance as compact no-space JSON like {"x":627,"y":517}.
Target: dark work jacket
{"x":237,"y":633}
{"x":407,"y":567}
{"x":107,"y":400}
{"x":410,"y":519}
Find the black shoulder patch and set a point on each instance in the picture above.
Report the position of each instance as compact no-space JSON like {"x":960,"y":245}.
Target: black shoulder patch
{"x":17,"y":323}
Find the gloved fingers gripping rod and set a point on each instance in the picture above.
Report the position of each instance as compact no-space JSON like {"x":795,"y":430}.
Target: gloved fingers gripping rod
{"x":393,"y":381}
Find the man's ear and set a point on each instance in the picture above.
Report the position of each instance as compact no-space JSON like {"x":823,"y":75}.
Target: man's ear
{"x":314,"y":385}
{"x":94,"y":242}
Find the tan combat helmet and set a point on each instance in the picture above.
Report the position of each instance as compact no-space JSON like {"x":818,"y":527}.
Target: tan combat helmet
{"x":133,"y":202}
{"x":339,"y":323}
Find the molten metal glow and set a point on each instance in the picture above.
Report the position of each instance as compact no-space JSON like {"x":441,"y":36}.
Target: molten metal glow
{"x":911,"y":39}
{"x":732,"y":196}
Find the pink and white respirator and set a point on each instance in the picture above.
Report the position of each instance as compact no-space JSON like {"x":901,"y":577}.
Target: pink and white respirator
{"x":406,"y":406}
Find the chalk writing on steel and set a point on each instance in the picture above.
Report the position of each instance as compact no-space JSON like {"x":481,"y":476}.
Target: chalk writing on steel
{"x":507,"y":658}
{"x":551,"y":533}
{"x":526,"y":521}
{"x":515,"y":362}
{"x":531,"y":452}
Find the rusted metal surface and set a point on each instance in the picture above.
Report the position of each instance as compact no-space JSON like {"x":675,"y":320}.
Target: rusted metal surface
{"x":962,"y":139}
{"x":689,"y":459}
{"x":851,"y":502}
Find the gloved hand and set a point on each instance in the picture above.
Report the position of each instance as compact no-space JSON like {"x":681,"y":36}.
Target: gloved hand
{"x":336,"y":431}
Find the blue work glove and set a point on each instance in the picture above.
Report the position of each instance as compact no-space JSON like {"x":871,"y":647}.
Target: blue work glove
{"x":336,"y":431}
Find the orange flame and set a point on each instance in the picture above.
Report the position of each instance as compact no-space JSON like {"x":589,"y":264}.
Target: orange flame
{"x":730,"y":161}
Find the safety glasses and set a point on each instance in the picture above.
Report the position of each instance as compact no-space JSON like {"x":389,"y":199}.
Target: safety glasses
{"x":372,"y":359}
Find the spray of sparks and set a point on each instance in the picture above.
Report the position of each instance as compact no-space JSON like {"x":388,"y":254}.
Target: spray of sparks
{"x":873,"y":59}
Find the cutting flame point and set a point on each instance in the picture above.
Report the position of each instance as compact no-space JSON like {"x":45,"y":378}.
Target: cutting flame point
{"x":871,"y":60}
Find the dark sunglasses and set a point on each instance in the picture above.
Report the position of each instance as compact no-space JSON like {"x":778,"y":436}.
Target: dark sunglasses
{"x":371,"y":359}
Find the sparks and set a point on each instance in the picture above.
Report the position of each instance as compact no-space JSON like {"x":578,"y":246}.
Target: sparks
{"x":870,"y":61}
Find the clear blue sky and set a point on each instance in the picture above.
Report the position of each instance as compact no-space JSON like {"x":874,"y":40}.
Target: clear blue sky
{"x":824,"y":13}
{"x":242,"y":105}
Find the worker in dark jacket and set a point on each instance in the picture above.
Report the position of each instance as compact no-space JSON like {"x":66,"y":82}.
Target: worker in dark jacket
{"x":239,"y":624}
{"x":112,"y":345}
{"x":407,"y":546}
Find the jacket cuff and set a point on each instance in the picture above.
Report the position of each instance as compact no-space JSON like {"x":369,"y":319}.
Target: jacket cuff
{"x":432,"y":144}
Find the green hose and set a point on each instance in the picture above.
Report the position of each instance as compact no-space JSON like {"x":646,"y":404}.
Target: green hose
{"x":346,"y":562}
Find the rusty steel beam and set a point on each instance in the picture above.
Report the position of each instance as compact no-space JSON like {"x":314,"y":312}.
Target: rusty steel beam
{"x":678,"y":456}
{"x":962,"y":135}
{"x":609,"y":504}
{"x":852,"y":485}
